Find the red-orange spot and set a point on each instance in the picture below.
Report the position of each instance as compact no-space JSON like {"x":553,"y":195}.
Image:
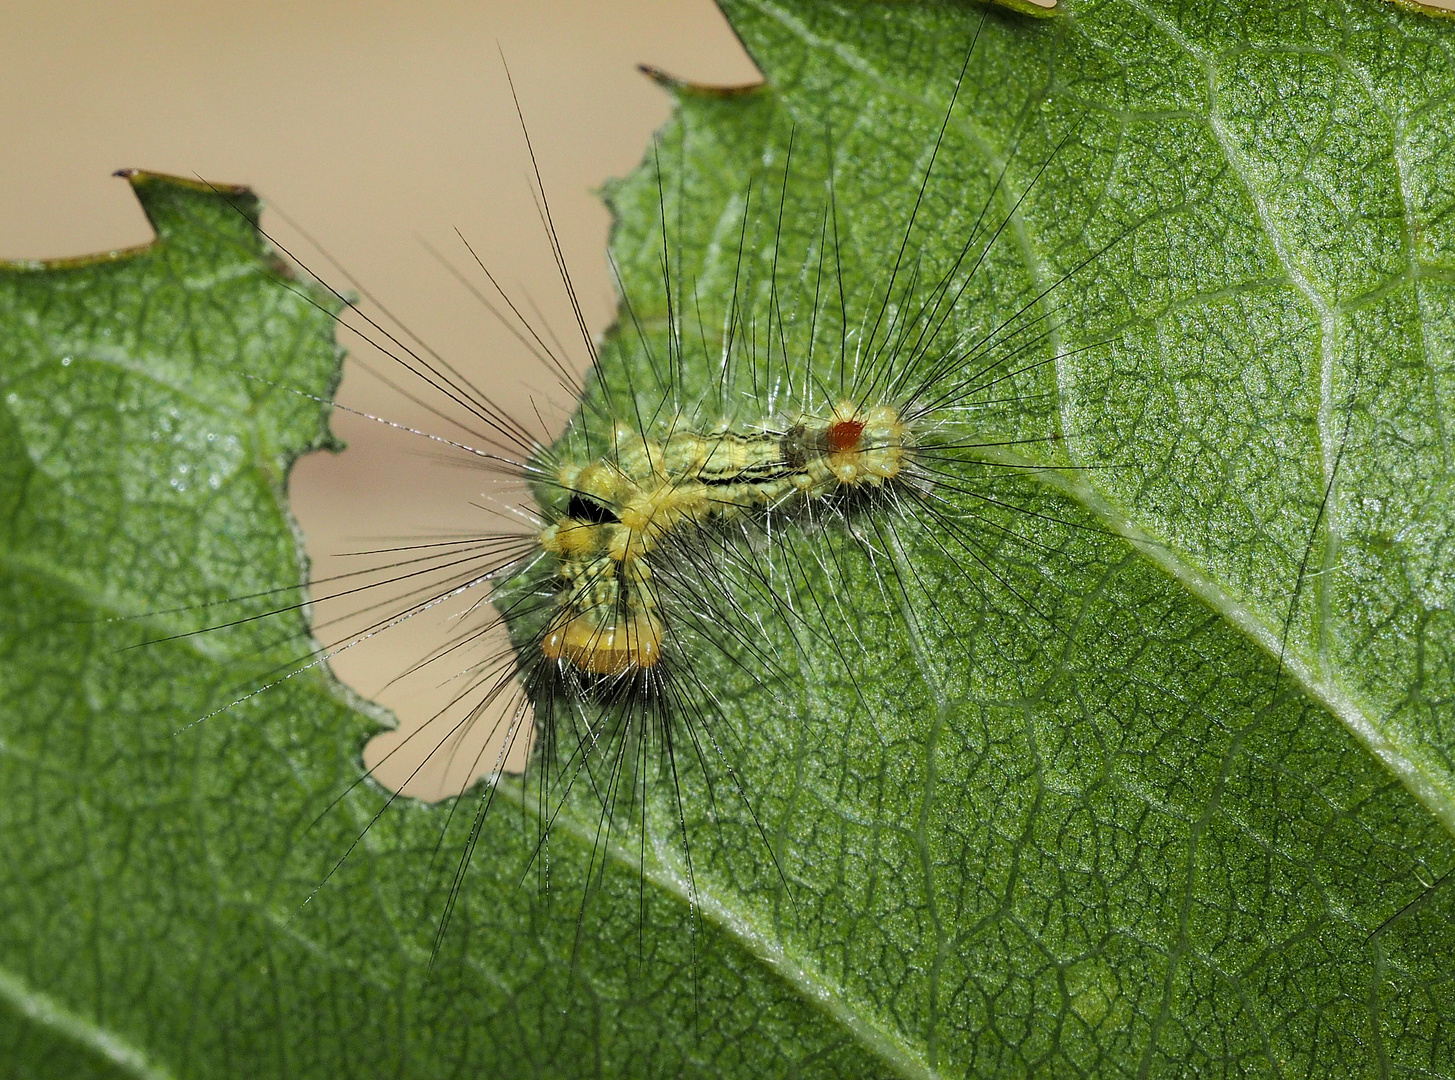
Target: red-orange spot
{"x":844,"y":435}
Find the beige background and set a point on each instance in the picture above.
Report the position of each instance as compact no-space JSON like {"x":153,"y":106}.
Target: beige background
{"x":373,"y":123}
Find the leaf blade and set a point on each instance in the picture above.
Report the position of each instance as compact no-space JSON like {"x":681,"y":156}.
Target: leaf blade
{"x":1116,"y":853}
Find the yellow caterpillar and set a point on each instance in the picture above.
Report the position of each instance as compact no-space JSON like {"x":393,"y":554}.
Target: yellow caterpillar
{"x":623,"y":506}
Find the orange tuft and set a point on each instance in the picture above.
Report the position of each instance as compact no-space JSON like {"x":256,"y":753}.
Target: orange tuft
{"x":844,"y":435}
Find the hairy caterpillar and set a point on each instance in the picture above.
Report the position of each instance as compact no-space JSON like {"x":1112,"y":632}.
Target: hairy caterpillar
{"x":636,"y":500}
{"x":661,"y":519}
{"x":665,"y":522}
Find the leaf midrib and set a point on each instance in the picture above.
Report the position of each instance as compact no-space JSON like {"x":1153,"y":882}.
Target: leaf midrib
{"x":1353,"y":714}
{"x":47,"y":1013}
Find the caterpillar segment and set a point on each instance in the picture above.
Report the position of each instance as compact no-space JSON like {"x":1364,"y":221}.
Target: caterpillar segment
{"x":623,"y":506}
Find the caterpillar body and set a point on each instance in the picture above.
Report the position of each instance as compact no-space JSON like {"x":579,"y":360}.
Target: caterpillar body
{"x":627,"y":506}
{"x":745,"y":501}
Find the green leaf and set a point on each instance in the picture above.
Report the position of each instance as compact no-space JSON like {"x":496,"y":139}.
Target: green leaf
{"x":1131,"y":828}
